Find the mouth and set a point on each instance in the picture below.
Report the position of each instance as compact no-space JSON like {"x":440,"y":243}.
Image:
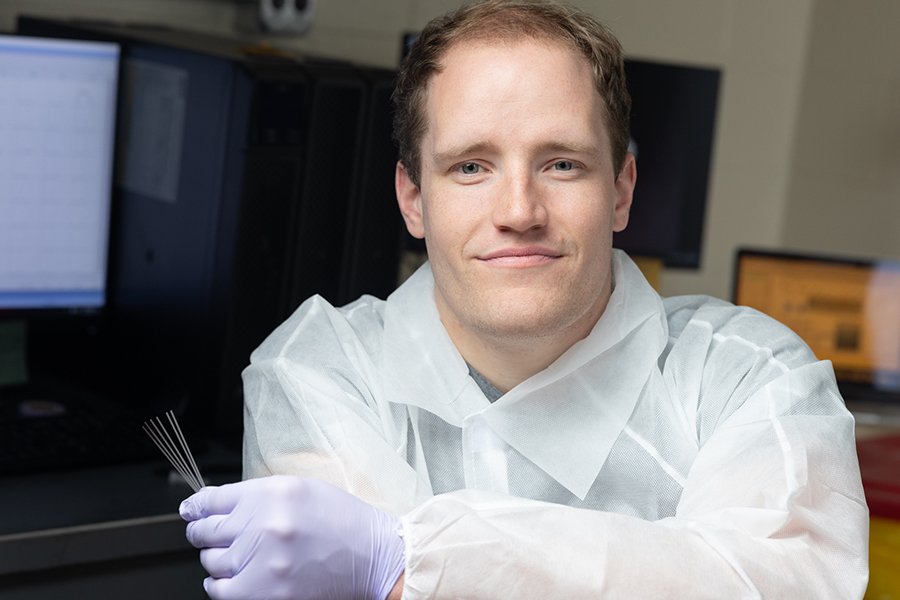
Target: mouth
{"x":527,"y":256}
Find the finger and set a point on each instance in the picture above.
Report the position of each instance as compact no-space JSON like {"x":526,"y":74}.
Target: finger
{"x":211,"y":500}
{"x":216,"y":531}
{"x":213,"y":588}
{"x":224,"y":589}
{"x":217,"y":562}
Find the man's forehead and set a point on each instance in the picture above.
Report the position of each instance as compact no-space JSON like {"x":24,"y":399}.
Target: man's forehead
{"x":483,"y":81}
{"x":469,"y":60}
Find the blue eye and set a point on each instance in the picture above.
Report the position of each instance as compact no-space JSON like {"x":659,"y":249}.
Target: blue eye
{"x":470,"y":168}
{"x":564,"y":165}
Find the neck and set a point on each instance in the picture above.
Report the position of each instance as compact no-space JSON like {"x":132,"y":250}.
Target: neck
{"x":492,"y":360}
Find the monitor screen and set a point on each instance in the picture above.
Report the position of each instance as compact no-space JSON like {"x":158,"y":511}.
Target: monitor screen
{"x":846,"y":310}
{"x":57,"y":122}
{"x":673,"y":118}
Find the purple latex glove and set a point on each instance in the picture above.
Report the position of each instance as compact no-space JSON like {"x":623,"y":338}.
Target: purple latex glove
{"x":290,"y":537}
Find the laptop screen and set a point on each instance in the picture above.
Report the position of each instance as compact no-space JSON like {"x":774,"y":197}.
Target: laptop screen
{"x":847,"y":311}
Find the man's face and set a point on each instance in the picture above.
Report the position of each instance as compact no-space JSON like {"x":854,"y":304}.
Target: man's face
{"x":518,"y":197}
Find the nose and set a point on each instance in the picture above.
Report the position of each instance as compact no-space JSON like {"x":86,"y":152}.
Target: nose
{"x":520,"y":205}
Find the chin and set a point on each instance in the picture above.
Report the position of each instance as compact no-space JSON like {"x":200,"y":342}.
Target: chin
{"x":530,"y":321}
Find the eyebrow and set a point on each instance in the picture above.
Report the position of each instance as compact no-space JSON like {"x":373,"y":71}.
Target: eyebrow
{"x":571,"y":148}
{"x":456,"y":152}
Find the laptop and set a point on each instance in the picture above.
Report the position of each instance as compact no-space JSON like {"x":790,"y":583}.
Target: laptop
{"x":847,"y":311}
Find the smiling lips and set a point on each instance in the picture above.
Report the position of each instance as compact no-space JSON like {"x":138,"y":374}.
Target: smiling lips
{"x":528,"y":256}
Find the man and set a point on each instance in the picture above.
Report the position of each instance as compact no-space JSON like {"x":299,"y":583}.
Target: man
{"x":525,"y":417}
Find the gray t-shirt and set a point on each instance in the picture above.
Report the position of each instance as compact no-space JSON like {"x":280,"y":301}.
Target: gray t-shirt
{"x":489,"y":389}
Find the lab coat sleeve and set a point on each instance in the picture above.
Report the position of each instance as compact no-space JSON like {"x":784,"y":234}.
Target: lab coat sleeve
{"x":772,"y":508}
{"x":304,"y":420}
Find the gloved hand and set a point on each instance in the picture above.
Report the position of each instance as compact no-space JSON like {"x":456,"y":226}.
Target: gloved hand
{"x":289,"y":537}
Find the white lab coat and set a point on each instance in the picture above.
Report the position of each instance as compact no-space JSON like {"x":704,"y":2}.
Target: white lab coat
{"x":686,"y":448}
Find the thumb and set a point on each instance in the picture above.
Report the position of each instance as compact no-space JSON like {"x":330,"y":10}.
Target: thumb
{"x":217,"y":500}
{"x":199,"y":505}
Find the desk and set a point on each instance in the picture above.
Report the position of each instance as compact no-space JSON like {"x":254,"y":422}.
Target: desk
{"x":104,"y":532}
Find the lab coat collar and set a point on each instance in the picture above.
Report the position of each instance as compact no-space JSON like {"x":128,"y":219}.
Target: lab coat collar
{"x":422,"y":367}
{"x":564,"y":419}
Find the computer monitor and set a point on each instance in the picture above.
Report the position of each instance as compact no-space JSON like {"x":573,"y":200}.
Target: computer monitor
{"x":673,"y":119}
{"x":847,"y":310}
{"x":57,"y":121}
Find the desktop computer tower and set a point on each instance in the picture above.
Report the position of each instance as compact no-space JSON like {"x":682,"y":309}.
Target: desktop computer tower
{"x":238,"y":194}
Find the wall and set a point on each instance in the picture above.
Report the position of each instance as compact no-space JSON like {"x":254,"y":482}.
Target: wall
{"x":845,"y":189}
{"x":804,"y":107}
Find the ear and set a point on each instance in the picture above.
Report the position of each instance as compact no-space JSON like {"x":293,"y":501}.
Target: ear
{"x":409,"y":198}
{"x":625,"y":183}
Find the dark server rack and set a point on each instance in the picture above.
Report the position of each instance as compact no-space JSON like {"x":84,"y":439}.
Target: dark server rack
{"x":263,"y":179}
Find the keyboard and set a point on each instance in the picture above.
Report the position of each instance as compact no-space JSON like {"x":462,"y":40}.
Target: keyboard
{"x":44,"y":431}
